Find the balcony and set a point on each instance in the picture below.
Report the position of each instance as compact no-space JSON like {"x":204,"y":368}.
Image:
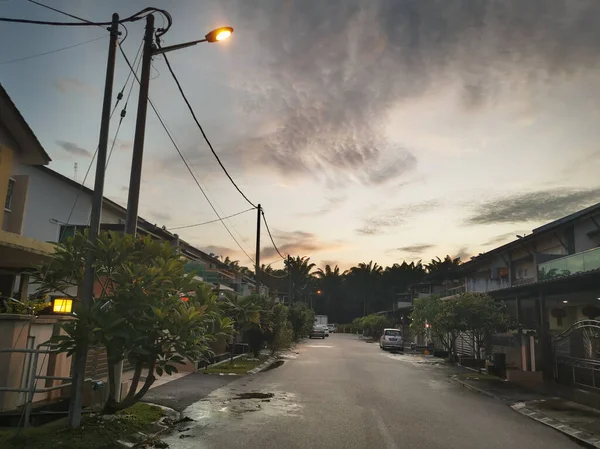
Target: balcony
{"x":482,"y":285}
{"x":451,"y":291}
{"x":569,"y":265}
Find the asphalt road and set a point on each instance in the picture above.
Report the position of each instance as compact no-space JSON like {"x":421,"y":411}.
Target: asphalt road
{"x":344,"y":393}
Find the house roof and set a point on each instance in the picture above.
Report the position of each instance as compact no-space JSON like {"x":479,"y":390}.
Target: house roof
{"x":537,"y":232}
{"x":31,"y":150}
{"x":159,"y":231}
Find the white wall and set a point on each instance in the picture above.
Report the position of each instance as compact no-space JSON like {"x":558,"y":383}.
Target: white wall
{"x":49,"y":202}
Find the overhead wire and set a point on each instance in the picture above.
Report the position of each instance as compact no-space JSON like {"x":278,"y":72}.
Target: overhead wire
{"x":201,"y":128}
{"x":209,"y":222}
{"x":85,"y":22}
{"x":172,"y":139}
{"x":25,"y":58}
{"x":271,"y":235}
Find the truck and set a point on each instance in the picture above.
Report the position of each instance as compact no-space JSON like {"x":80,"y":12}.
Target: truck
{"x":320,"y":319}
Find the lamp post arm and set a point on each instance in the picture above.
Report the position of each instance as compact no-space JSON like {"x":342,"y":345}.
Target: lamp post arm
{"x":161,"y":50}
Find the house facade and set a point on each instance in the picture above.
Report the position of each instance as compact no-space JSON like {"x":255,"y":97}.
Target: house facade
{"x":549,"y":281}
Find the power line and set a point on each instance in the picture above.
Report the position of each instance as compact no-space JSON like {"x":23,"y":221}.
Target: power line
{"x":124,"y":111}
{"x":270,"y":235}
{"x":211,"y":221}
{"x":51,"y":51}
{"x":84,"y":22}
{"x":202,"y":129}
{"x":59,"y":11}
{"x":160,"y":119}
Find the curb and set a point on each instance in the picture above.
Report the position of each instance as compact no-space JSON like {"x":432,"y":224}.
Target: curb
{"x":262,"y":367}
{"x":218,"y":363}
{"x":583,"y":437}
{"x":478,"y":390}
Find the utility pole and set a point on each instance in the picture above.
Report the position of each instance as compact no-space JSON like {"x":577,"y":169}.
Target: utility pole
{"x":87,"y":287}
{"x":135,"y":179}
{"x":257,"y":263}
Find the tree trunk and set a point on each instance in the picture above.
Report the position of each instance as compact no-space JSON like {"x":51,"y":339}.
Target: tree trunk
{"x":132,"y":397}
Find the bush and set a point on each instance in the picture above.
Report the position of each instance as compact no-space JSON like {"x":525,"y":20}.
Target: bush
{"x":371,"y":325}
{"x":302,"y":320}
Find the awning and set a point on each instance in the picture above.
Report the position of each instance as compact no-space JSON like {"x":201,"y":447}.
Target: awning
{"x":17,"y":251}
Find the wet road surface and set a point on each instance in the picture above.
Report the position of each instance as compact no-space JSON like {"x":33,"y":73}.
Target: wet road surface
{"x":344,"y":393}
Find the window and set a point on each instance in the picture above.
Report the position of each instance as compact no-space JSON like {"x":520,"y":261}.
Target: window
{"x":9,"y":194}
{"x":524,"y":272}
{"x":393,"y":333}
{"x":67,"y":231}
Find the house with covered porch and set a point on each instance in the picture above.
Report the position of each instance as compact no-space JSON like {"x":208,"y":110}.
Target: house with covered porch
{"x":549,"y":281}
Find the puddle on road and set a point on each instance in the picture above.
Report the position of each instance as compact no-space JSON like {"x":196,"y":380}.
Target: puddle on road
{"x":253,"y":395}
{"x":228,"y":410}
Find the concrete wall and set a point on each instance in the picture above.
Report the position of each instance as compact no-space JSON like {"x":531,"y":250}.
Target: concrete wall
{"x":23,"y":332}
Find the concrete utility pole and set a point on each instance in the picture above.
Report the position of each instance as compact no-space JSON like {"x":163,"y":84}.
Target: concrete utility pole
{"x":135,"y":179}
{"x":257,"y":263}
{"x":87,"y":287}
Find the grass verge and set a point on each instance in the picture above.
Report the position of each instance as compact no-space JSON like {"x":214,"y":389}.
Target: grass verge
{"x":94,"y":433}
{"x":239,"y":366}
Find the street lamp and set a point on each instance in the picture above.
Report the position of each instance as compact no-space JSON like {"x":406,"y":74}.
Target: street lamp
{"x":150,"y":50}
{"x":216,"y":35}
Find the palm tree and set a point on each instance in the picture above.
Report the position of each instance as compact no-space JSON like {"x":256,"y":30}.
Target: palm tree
{"x":364,"y":279}
{"x":444,"y":270}
{"x":232,"y":264}
{"x":299,"y":269}
{"x":330,"y":281}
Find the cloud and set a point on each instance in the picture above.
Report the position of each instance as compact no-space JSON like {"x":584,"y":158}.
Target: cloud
{"x":378,"y":224}
{"x":414,"y":249}
{"x":328,"y":80}
{"x":298,"y":243}
{"x":222,"y":251}
{"x":161,"y":216}
{"x":66,"y":85}
{"x":332,"y":203}
{"x":73,"y":148}
{"x":463,"y":254}
{"x":534,"y":206}
{"x":503,"y":238}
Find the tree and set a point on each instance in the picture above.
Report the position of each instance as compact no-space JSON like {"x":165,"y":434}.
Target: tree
{"x":299,"y":268}
{"x":145,"y":308}
{"x":364,"y":279}
{"x":482,"y":317}
{"x":302,"y":320}
{"x":330,"y":282}
{"x":373,"y":325}
{"x":245,"y":312}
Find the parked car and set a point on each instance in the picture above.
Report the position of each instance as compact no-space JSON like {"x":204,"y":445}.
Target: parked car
{"x":325,"y":329}
{"x":391,"y":339}
{"x":317,"y":332}
{"x":332,"y":328}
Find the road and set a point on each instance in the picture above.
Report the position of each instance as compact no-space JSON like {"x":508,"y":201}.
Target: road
{"x":344,"y":393}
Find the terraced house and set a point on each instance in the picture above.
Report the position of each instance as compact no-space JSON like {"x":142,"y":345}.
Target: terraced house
{"x":550,"y":283}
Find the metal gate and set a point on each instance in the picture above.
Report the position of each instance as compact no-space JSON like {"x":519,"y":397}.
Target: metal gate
{"x":577,"y":354}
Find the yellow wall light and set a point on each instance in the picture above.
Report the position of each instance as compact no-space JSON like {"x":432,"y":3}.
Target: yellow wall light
{"x":62,"y":305}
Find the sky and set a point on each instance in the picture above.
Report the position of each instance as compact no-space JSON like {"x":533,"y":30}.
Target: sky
{"x":382,"y":130}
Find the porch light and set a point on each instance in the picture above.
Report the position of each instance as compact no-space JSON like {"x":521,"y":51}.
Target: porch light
{"x":565,"y":301}
{"x":62,"y":305}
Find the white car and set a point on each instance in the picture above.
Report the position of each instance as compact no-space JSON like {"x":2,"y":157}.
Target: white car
{"x":324,"y":327}
{"x":332,"y":328}
{"x":391,"y":339}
